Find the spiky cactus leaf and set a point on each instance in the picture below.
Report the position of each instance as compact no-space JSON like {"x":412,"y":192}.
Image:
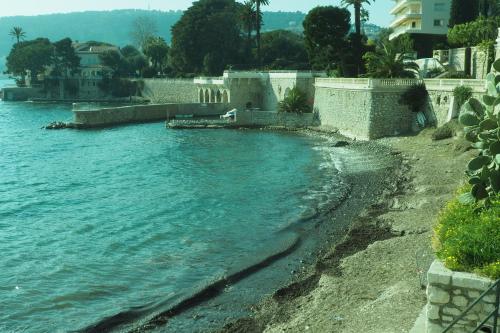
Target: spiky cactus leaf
{"x":489,"y":100}
{"x":495,"y":148}
{"x":478,"y":163}
{"x":488,"y":124}
{"x":496,"y":65}
{"x":468,"y":119}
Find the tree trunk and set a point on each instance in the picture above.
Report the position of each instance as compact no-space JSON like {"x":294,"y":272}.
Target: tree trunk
{"x":259,"y":59}
{"x":357,"y":37}
{"x":357,"y":17}
{"x":249,"y":44}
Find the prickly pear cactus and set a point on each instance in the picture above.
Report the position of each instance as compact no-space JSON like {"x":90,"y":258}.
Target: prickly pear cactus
{"x":481,"y":120}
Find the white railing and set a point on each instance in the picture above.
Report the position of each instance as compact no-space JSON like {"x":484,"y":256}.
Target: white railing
{"x":432,"y":84}
{"x":450,"y":84}
{"x":209,"y":80}
{"x":377,"y":83}
{"x":354,"y":83}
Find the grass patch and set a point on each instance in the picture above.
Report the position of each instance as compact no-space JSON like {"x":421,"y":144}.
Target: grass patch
{"x":466,"y":240}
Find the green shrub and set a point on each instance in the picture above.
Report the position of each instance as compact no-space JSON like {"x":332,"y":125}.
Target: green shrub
{"x":462,"y":94}
{"x":466,"y":240}
{"x":444,"y":132}
{"x":294,"y":102}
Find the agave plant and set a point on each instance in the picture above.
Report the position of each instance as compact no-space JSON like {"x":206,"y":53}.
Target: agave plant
{"x":294,"y":102}
{"x":481,"y":120}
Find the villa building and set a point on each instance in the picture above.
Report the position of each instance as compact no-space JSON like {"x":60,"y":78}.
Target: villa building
{"x":91,"y":70}
{"x":427,"y":17}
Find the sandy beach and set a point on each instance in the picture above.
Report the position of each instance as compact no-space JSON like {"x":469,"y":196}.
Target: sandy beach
{"x":372,"y":281}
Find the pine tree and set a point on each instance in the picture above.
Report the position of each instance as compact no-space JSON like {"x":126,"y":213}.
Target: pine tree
{"x":463,"y":11}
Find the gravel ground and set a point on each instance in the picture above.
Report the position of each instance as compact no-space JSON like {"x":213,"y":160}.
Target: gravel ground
{"x":373,"y":280}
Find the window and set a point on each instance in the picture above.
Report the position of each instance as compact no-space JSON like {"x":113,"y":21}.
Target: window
{"x":413,"y":24}
{"x":439,"y":23}
{"x":439,"y":7}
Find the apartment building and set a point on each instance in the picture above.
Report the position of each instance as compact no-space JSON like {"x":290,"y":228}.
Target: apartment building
{"x":429,"y":17}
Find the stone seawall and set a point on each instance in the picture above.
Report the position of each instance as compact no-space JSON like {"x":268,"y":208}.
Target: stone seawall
{"x":270,"y":118}
{"x":21,"y":93}
{"x":144,"y":113}
{"x":371,"y":108}
{"x":441,"y":106}
{"x":160,"y":91}
{"x":359,"y":110}
{"x":450,"y":293}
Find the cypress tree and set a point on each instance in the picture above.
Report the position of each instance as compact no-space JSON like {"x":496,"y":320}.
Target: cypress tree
{"x":463,"y":11}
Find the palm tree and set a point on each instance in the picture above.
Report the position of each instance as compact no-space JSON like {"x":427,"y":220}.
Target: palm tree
{"x":18,"y":33}
{"x":357,"y":4}
{"x":258,"y":3}
{"x":248,"y":17}
{"x":390,"y":62}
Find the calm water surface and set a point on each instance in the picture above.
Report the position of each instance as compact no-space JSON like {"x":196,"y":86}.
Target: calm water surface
{"x":95,"y":222}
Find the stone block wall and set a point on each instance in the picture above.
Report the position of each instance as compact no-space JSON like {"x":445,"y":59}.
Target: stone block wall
{"x":276,"y":89}
{"x":243,"y":91}
{"x":160,"y":91}
{"x":144,"y":113}
{"x":21,"y":93}
{"x":456,"y":60}
{"x":267,"y":118}
{"x":344,"y":109}
{"x":441,"y":106}
{"x":388,"y":117}
{"x":450,"y":293}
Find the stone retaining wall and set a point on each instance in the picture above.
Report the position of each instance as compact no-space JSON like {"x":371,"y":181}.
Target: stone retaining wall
{"x":160,"y":91}
{"x":442,"y":106}
{"x":21,"y":93}
{"x":448,"y":295}
{"x":144,"y":113}
{"x":266,"y":118}
{"x":370,"y":108}
{"x":362,"y":111}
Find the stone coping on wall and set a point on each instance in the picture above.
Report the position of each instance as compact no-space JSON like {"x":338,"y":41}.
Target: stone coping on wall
{"x":290,"y":74}
{"x":478,"y":86}
{"x":366,"y":84}
{"x":261,"y":75}
{"x":449,"y":293}
{"x":398,"y":84}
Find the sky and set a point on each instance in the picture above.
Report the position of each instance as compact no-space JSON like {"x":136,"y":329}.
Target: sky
{"x":379,"y":10}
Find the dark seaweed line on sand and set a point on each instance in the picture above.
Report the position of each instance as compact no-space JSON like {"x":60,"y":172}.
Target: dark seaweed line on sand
{"x":134,"y":314}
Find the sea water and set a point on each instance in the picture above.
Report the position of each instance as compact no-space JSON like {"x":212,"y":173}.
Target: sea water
{"x":95,"y":222}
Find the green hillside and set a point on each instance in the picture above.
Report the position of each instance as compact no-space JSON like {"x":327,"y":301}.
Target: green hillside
{"x":112,"y":26}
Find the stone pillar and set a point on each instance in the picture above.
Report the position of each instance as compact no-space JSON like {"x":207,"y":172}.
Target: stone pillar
{"x":497,"y":46}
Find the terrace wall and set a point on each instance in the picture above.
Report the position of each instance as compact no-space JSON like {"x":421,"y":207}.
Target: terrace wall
{"x":450,"y":293}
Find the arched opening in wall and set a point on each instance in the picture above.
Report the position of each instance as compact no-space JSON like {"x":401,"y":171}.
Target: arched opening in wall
{"x":212,"y":96}
{"x":225,"y":97}
{"x":219,"y":97}
{"x":207,"y":96}
{"x":201,"y":96}
{"x":287,"y":92}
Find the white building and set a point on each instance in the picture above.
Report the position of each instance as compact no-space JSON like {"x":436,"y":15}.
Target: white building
{"x":91,"y":69}
{"x":420,"y":17}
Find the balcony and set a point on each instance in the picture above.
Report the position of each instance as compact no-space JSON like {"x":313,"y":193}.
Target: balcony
{"x":402,"y":4}
{"x":409,"y":15}
{"x":405,"y":29}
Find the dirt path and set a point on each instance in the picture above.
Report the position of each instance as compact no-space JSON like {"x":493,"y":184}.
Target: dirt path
{"x":372,"y":282}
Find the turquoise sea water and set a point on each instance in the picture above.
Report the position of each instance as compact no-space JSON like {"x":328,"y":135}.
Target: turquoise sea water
{"x":96,"y":222}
